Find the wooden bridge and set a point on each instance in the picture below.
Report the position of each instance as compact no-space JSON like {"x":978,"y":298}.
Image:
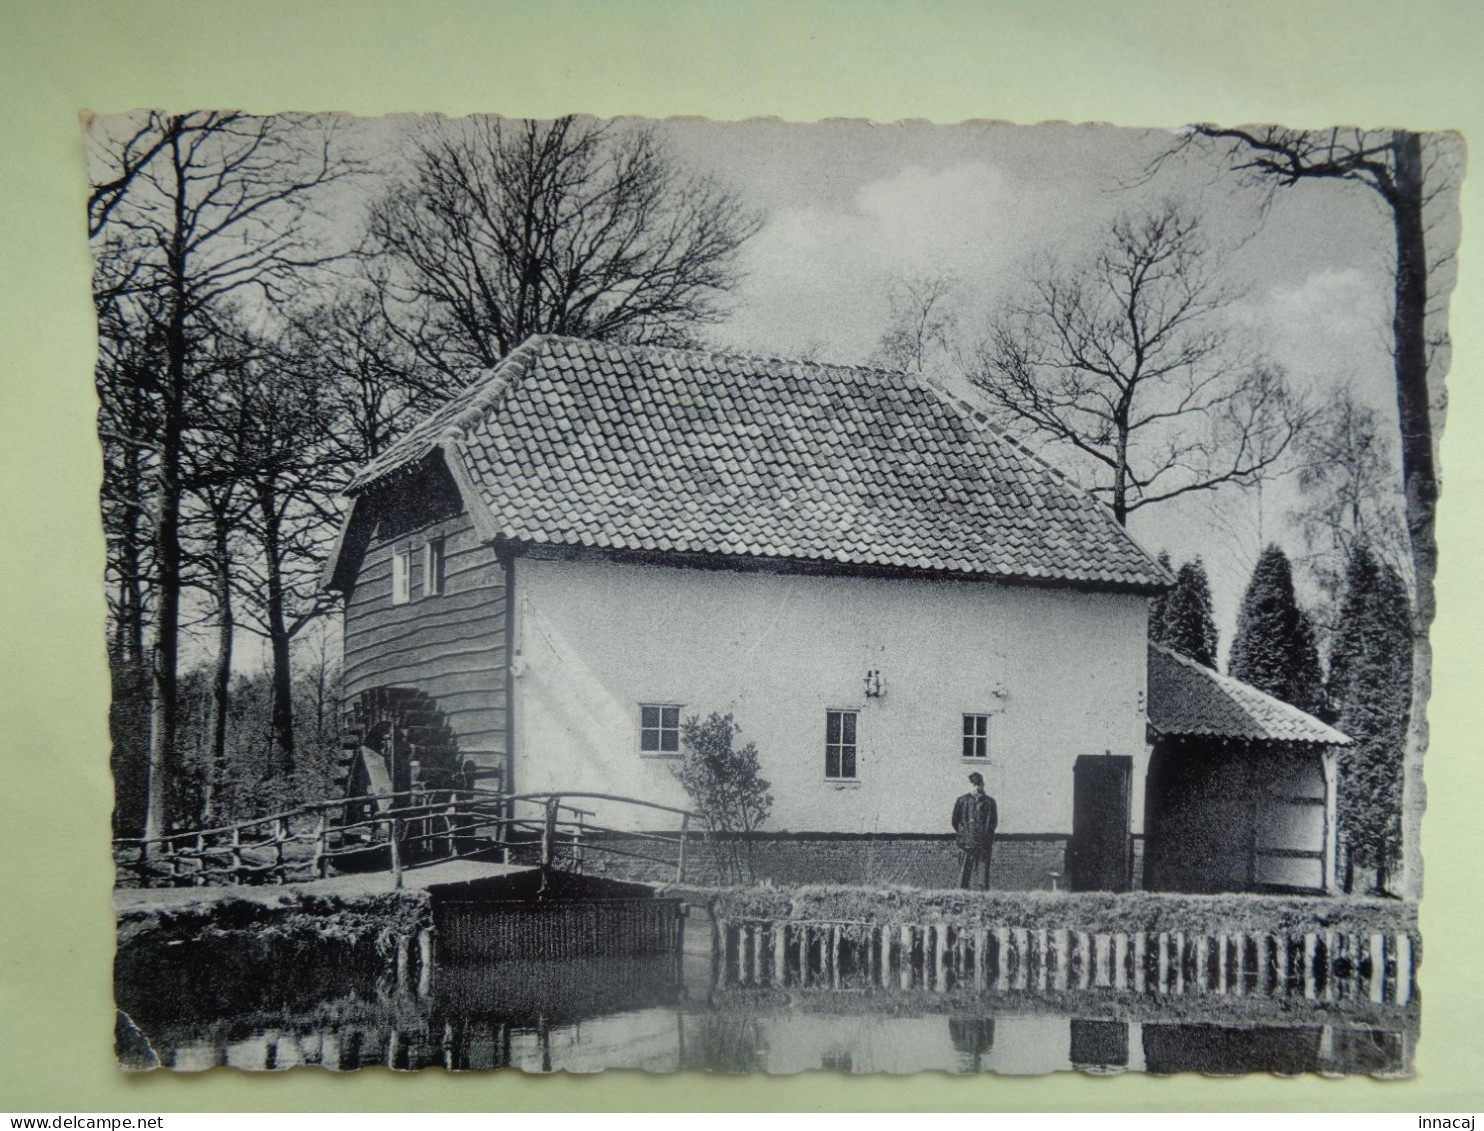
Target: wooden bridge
{"x":398,"y":831}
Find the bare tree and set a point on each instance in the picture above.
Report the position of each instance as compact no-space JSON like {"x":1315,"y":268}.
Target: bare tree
{"x":1351,"y":496}
{"x":369,"y":383}
{"x":1408,"y":172}
{"x":513,"y":228}
{"x":187,"y":212}
{"x":921,"y":324}
{"x":1126,"y":361}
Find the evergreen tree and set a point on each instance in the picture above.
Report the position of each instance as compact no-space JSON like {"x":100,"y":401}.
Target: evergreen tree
{"x":1186,"y":623}
{"x":1274,"y":649}
{"x":1370,"y":684}
{"x":1158,"y":602}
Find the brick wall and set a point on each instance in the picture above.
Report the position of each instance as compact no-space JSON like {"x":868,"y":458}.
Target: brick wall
{"x":1021,"y":862}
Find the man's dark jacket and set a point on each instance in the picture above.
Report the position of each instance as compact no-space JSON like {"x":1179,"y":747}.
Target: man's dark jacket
{"x":975,"y":818}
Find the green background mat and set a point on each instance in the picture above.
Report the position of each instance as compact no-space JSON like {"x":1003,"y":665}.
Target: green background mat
{"x":1131,"y":63}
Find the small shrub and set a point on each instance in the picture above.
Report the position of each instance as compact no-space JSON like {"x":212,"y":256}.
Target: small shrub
{"x":726,"y":787}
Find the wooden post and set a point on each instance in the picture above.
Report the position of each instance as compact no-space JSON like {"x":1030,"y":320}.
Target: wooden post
{"x":322,"y":845}
{"x":548,"y":842}
{"x":1222,"y":968}
{"x":394,"y":843}
{"x":835,"y":956}
{"x":280,"y":836}
{"x":1141,"y":960}
{"x":780,"y":952}
{"x":1311,"y":954}
{"x":723,"y":948}
{"x":424,"y":961}
{"x":906,"y":961}
{"x":680,"y":857}
{"x":1120,"y":961}
{"x":1063,"y":959}
{"x":757,"y":953}
{"x":1042,"y":938}
{"x":235,"y":848}
{"x":886,"y":941}
{"x":1084,"y":970}
{"x":1178,"y":938}
{"x":1378,"y":968}
{"x":404,"y":961}
{"x":1002,"y":959}
{"x":1331,"y":986}
{"x":1403,"y":968}
{"x":1022,"y":938}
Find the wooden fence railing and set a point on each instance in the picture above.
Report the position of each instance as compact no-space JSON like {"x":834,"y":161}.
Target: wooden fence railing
{"x":397,"y":831}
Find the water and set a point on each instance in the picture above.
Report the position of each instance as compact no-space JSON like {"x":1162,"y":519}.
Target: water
{"x":193,"y":1007}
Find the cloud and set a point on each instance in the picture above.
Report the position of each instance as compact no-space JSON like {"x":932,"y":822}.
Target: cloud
{"x":817,"y":276}
{"x":1332,"y":325}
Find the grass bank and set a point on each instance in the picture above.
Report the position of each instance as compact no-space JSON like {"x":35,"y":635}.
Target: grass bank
{"x":277,"y":918}
{"x":1082,"y":911}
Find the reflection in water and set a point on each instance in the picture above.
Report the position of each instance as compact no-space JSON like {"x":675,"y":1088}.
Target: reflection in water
{"x":194,"y":1009}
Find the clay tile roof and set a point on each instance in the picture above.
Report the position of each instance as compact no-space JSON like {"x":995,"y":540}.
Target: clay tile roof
{"x":1187,"y":698}
{"x":684,"y":450}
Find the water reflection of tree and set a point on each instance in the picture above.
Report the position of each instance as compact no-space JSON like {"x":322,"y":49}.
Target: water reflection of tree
{"x":973,"y":1038}
{"x":722,"y":1042}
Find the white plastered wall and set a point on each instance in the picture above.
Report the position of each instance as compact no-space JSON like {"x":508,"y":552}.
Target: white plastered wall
{"x":1061,"y":672}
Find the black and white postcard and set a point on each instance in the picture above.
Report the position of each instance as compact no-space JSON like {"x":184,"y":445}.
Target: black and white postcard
{"x":768,"y":597}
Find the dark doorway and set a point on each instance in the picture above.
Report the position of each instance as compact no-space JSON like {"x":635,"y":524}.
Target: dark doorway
{"x":1099,"y":856}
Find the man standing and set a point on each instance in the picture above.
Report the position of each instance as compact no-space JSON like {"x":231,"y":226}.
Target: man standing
{"x":975,"y":818}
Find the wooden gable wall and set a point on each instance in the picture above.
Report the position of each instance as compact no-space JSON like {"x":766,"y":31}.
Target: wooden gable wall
{"x":451,"y":646}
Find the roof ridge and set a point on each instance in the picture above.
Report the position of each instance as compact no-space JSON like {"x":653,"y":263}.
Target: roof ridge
{"x":734,"y":355}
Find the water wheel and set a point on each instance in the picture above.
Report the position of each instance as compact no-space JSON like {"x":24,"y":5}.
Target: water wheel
{"x":396,"y":741}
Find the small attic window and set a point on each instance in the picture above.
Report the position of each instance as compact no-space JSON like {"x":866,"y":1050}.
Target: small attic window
{"x":401,"y":575}
{"x":433,"y":568}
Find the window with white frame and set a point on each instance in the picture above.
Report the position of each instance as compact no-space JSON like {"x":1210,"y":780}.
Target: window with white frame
{"x":433,"y":568}
{"x":659,"y":728}
{"x":401,"y":575}
{"x":976,"y":737}
{"x":840,"y":746}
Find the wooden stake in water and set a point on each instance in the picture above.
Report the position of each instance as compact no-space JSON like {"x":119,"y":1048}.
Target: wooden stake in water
{"x":1102,"y":961}
{"x":1403,"y":968}
{"x":1378,"y":968}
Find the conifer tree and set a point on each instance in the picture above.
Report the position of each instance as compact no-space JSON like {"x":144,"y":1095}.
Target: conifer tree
{"x":1274,"y":649}
{"x":1158,"y":602}
{"x":1186,"y":623}
{"x":1370,"y":688}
